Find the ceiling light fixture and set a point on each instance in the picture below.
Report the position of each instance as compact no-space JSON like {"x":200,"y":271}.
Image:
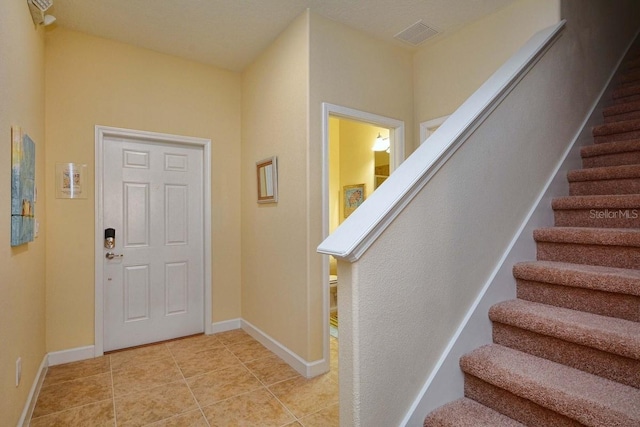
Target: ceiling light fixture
{"x":381,"y":144}
{"x":38,"y":9}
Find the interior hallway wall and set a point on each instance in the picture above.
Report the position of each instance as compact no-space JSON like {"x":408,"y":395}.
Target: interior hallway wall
{"x":22,"y":268}
{"x":275,"y":282}
{"x":350,"y":69}
{"x":94,"y":81}
{"x":449,"y":70}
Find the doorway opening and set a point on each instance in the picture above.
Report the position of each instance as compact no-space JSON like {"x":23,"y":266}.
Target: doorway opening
{"x":360,"y":150}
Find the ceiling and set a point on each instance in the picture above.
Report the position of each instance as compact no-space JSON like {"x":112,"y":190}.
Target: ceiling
{"x":231,"y":33}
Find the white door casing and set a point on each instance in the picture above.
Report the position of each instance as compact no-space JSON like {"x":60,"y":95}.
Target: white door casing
{"x":429,"y":127}
{"x":153,"y":189}
{"x":397,"y":142}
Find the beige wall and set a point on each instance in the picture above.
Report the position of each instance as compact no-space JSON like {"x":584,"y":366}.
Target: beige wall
{"x":275,"y":294}
{"x":351,"y":161}
{"x":349,"y":69}
{"x":22,"y":269}
{"x":93,"y":81}
{"x":449,"y":70}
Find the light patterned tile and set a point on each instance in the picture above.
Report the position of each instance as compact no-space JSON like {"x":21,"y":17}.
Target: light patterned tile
{"x":193,"y":344}
{"x":233,"y":337}
{"x":92,"y":415}
{"x":70,"y":394}
{"x":271,"y":370}
{"x":155,"y":404}
{"x":249,"y":350}
{"x":143,"y":376}
{"x":327,"y":417}
{"x":139,"y":356}
{"x":223,"y":384}
{"x":75,"y":370}
{"x":189,"y":419}
{"x":257,"y":408}
{"x":305,"y":396}
{"x":192,"y":364}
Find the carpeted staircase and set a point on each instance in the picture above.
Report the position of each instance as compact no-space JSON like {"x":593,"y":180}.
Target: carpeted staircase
{"x":567,"y":351}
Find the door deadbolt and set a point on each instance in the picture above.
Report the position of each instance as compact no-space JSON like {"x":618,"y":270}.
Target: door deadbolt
{"x":110,"y":238}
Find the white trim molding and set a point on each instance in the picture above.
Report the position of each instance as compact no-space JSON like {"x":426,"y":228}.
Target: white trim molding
{"x":32,"y":398}
{"x":225,"y":325}
{"x":397,"y":153}
{"x":428,"y":127}
{"x":102,"y":132}
{"x":306,"y":369}
{"x":71,"y":355}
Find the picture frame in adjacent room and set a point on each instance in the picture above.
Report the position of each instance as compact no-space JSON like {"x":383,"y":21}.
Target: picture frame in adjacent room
{"x":267,"y":175}
{"x":353,"y":197}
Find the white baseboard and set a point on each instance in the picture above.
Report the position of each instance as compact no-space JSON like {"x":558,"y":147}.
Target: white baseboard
{"x":306,"y":369}
{"x":71,"y":355}
{"x":226,"y":325}
{"x":32,"y":398}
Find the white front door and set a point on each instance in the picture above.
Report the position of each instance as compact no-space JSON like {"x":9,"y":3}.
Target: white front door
{"x":153,"y":278}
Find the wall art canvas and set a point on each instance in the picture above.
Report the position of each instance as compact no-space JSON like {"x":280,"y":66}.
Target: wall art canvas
{"x":23,"y":188}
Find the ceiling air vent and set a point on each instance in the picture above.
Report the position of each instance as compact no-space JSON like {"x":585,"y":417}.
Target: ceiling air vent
{"x":416,"y":33}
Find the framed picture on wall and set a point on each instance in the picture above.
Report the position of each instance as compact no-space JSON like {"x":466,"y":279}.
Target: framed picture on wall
{"x":23,"y":187}
{"x":353,"y":197}
{"x":267,"y":172}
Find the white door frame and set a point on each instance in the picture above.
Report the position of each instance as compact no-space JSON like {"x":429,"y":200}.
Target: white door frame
{"x":102,"y":132}
{"x":427,"y":128}
{"x":396,"y":139}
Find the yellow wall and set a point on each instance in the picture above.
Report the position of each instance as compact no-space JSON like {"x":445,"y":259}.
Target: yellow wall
{"x":93,"y":81}
{"x":274,"y":236}
{"x":351,"y":161}
{"x":22,"y":269}
{"x":448,"y":71}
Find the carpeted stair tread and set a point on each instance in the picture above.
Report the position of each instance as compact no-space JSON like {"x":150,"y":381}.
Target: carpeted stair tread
{"x":468,"y":413}
{"x":584,"y":397}
{"x":616,"y":109}
{"x":617,"y":336}
{"x":617,"y":153}
{"x":630,"y":65}
{"x":610,"y":148}
{"x":607,"y":279}
{"x":626,"y":91}
{"x":629,"y":77}
{"x":617,"y":127}
{"x":599,"y":201}
{"x":608,"y":211}
{"x":604,"y":173}
{"x":589,"y":236}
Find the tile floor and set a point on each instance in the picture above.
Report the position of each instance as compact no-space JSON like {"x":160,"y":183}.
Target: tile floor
{"x":227,"y":379}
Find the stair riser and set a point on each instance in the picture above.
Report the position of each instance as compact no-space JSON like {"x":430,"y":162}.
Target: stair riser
{"x":616,"y":159}
{"x":608,"y":256}
{"x":622,"y":136}
{"x":632,"y":115}
{"x":604,"y":218}
{"x":593,"y":361}
{"x":608,"y":186}
{"x":518,"y":408}
{"x":588,"y":300}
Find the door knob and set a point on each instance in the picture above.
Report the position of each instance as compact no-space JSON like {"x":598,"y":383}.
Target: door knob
{"x":111,"y":255}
